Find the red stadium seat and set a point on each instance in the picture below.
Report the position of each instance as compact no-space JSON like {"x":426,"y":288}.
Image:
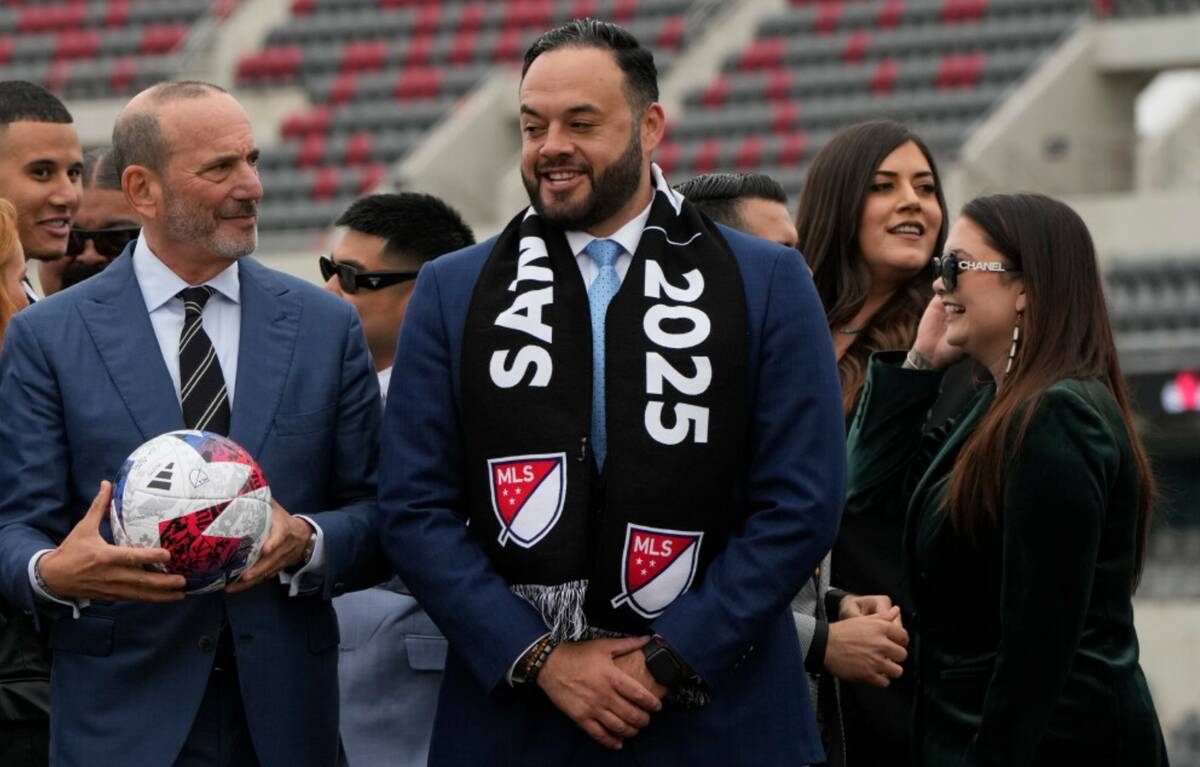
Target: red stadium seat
{"x":714,"y":97}
{"x":325,"y":183}
{"x":76,"y":44}
{"x":162,"y":38}
{"x":885,"y":75}
{"x":358,"y":148}
{"x":364,"y":55}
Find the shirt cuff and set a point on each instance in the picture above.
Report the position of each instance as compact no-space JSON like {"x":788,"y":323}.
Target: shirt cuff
{"x":833,"y":604}
{"x":512,"y":669}
{"x":308,"y":577}
{"x":42,"y":595}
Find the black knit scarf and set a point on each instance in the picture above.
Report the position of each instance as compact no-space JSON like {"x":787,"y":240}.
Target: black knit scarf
{"x":606,"y":553}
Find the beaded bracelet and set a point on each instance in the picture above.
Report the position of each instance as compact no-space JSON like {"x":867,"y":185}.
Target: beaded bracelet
{"x":535,"y":659}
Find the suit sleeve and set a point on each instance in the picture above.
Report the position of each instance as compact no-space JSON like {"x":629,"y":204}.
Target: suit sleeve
{"x":34,"y":495}
{"x":795,"y":481}
{"x":885,"y":435}
{"x":353,"y":558}
{"x":1051,"y":536}
{"x":423,"y":522}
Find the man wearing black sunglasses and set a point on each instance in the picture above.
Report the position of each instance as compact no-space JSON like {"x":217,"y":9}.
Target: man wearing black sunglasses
{"x":102,"y":227}
{"x":386,"y":240}
{"x":388,"y":689}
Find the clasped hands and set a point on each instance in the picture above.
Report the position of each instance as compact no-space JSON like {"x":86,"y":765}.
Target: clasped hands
{"x":868,"y":642}
{"x":85,"y":566}
{"x":603,"y":685}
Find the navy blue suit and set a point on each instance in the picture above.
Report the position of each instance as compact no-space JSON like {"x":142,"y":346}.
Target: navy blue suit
{"x":734,"y":628}
{"x":83,"y":383}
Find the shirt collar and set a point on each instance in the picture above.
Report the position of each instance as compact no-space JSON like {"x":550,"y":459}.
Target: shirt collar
{"x":159,"y":284}
{"x":627,"y":236}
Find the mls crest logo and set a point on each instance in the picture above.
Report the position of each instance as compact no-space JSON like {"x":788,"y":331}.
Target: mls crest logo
{"x":657,"y":567}
{"x":527,"y":495}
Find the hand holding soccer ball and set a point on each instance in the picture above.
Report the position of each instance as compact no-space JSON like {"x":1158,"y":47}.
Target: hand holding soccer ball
{"x":201,"y":497}
{"x":85,"y":566}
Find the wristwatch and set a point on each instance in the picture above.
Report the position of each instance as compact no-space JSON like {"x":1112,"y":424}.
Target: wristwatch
{"x":667,"y":668}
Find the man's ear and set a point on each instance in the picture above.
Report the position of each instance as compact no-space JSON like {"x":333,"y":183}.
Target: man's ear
{"x":143,"y":191}
{"x":653,"y":126}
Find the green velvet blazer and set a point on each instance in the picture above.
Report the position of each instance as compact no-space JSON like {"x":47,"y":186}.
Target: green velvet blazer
{"x":1025,"y":645}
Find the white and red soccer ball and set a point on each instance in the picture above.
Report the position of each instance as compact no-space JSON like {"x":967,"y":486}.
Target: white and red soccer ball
{"x":200,"y":496}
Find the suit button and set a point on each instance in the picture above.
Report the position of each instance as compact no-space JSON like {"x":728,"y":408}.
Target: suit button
{"x":339,"y":589}
{"x":205,"y":644}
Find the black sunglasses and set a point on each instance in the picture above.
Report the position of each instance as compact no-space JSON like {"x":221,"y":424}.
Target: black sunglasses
{"x":351,"y":279}
{"x":108,"y":242}
{"x":949,"y":266}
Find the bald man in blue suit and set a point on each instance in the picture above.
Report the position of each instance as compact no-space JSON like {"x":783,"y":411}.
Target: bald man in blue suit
{"x":142,"y":675}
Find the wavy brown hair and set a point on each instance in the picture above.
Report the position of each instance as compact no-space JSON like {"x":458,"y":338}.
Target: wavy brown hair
{"x":831,"y":206}
{"x":8,"y":242}
{"x":1067,"y":334}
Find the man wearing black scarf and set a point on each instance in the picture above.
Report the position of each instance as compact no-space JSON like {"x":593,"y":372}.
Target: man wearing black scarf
{"x":627,"y":457}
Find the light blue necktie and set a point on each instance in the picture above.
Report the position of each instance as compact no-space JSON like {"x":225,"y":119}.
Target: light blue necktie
{"x":605,"y":286}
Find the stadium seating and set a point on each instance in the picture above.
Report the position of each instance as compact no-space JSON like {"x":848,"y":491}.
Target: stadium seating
{"x":1155,"y":302}
{"x":380,"y":73}
{"x":84,"y":49}
{"x":817,"y":66}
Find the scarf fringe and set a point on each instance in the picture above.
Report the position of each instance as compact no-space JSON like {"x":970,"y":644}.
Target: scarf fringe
{"x":560,"y":605}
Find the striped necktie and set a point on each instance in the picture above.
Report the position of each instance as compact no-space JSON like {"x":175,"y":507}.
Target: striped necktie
{"x":605,"y":286}
{"x":202,"y":386}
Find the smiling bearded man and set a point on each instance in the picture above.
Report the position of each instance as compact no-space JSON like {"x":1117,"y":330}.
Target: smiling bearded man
{"x":627,"y":452}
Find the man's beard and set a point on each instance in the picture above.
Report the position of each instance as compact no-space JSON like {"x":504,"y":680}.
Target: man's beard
{"x":77,"y":271}
{"x":611,"y":190}
{"x":187,"y":222}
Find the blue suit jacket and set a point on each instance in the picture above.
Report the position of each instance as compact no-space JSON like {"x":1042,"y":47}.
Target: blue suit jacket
{"x":82,"y":383}
{"x":734,"y":628}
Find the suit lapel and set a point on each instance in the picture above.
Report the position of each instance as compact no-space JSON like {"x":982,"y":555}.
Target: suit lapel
{"x":120,"y":328}
{"x":949,"y":449}
{"x":270,"y":321}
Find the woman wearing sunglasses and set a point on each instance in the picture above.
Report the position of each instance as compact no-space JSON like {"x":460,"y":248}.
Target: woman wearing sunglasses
{"x":100,"y":229}
{"x":1028,"y":513}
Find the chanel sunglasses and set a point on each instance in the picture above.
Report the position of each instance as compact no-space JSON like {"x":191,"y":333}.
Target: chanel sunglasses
{"x":351,"y":279}
{"x":949,"y":266}
{"x":108,"y":242}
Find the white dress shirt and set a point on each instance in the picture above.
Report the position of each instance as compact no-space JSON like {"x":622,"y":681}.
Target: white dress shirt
{"x":222,"y":314}
{"x":385,"y":378}
{"x":628,"y":237}
{"x":222,"y":320}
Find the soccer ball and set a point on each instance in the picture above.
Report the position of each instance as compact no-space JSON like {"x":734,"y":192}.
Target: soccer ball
{"x":198,"y":495}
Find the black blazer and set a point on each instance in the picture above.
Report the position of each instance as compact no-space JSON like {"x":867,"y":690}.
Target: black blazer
{"x":24,"y":669}
{"x":1026,"y":652}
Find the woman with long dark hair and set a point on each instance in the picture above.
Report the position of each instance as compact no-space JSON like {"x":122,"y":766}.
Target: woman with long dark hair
{"x":871,"y":217}
{"x":1027,"y":514}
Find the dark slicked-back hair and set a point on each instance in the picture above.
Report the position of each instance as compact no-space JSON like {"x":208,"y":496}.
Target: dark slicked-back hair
{"x":137,"y":138}
{"x":99,"y":171}
{"x":718,"y":195}
{"x":419,"y":226}
{"x":21,"y":100}
{"x":641,"y":76}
